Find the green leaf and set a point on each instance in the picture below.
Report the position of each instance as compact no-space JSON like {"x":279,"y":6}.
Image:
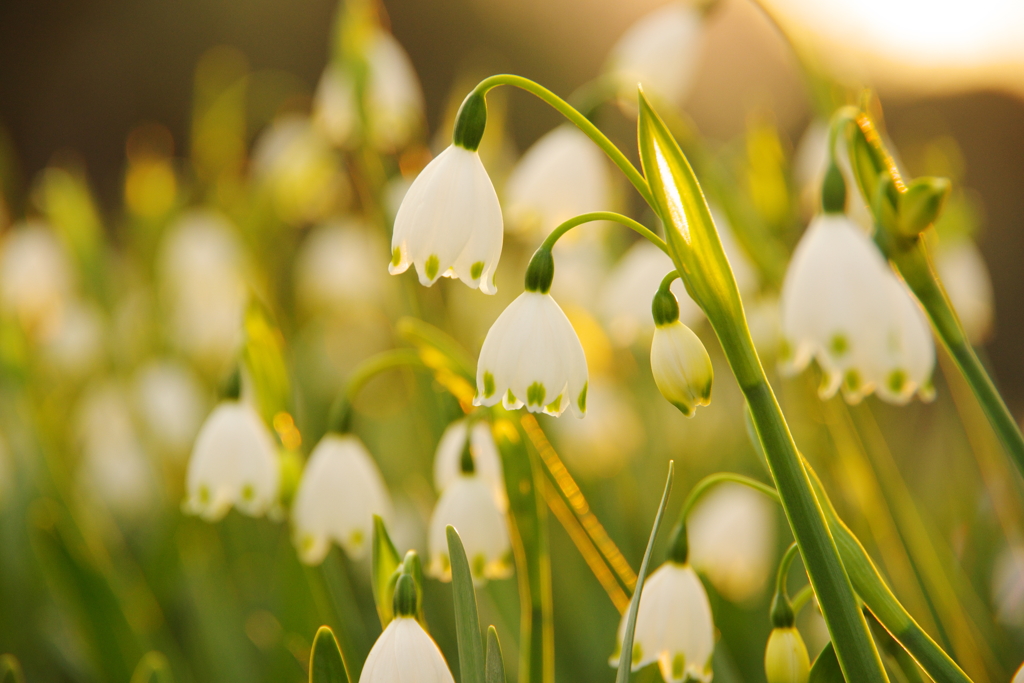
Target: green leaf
{"x":153,"y":668}
{"x":326,"y":664}
{"x":467,"y":620}
{"x":634,"y":605}
{"x":263,"y":355}
{"x":826,"y":667}
{"x":382,"y":575}
{"x":495,"y":666}
{"x":10,"y":669}
{"x":690,"y":231}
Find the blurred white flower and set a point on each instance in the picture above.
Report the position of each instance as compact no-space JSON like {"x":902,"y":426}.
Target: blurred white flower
{"x":75,"y":343}
{"x":340,"y":492}
{"x":468,"y":505}
{"x":486,"y":459}
{"x":394,"y":101}
{"x":338,"y":266}
{"x":35,"y":276}
{"x":234,"y":462}
{"x":449,"y":222}
{"x":302,"y":172}
{"x":171,"y":403}
{"x":562,"y":175}
{"x":673,"y":626}
{"x":1019,"y":676}
{"x":681,"y":367}
{"x":963,"y":272}
{"x":661,"y":52}
{"x":764,"y":321}
{"x":114,"y":467}
{"x":532,"y":355}
{"x":609,"y":435}
{"x":843,"y":306}
{"x":1008,"y":585}
{"x":785,"y":657}
{"x":582,"y":270}
{"x":405,"y":653}
{"x":732,"y":540}
{"x":201,"y":273}
{"x":335,"y":110}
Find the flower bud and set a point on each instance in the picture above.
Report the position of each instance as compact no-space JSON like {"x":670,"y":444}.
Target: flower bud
{"x":921,"y":204}
{"x":681,"y":367}
{"x":785,"y":658}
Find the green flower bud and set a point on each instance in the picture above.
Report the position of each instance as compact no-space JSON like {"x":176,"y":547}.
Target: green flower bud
{"x":833,"y":191}
{"x":681,"y":367}
{"x":921,"y":205}
{"x":540,"y":272}
{"x":785,"y":658}
{"x":470,"y":122}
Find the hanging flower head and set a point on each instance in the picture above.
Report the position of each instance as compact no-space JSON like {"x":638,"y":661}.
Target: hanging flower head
{"x":234,"y":462}
{"x":531,"y":355}
{"x":340,"y":492}
{"x":680,"y":363}
{"x":486,"y":459}
{"x":785,"y":657}
{"x":449,"y":222}
{"x":673,"y":626}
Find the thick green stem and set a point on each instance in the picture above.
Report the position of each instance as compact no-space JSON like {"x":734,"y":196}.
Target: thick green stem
{"x":633,"y":225}
{"x":581,"y":122}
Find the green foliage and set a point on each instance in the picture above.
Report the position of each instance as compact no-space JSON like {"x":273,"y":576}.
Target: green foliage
{"x":153,"y":668}
{"x":326,"y":664}
{"x":467,"y":619}
{"x":383,"y":572}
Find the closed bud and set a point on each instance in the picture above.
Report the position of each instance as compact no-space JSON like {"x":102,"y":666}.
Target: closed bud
{"x":921,"y":205}
{"x":785,"y":658}
{"x":681,"y":367}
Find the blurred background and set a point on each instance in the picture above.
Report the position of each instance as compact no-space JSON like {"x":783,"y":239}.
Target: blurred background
{"x":118,"y":118}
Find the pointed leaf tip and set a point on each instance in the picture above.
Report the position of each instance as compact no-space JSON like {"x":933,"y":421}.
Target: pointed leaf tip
{"x":495,"y":665}
{"x":385,"y":561}
{"x":467,"y":619}
{"x":326,"y":664}
{"x":152,"y":668}
{"x":10,"y":669}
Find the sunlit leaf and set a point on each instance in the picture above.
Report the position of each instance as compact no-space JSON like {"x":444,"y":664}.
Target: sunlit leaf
{"x":467,"y":619}
{"x":495,"y":665}
{"x":826,"y":667}
{"x":382,"y":575}
{"x":325,"y":661}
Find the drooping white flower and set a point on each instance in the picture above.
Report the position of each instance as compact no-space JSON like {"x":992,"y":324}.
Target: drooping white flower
{"x":468,"y":505}
{"x":234,"y":462}
{"x":449,"y":222}
{"x":75,"y":342}
{"x":785,"y":657}
{"x":335,"y":110}
{"x":394,"y":100}
{"x":532,"y":356}
{"x":843,"y":306}
{"x":302,"y":173}
{"x":35,"y":276}
{"x":486,"y":459}
{"x":963,"y":272}
{"x":811,"y":160}
{"x":562,"y":175}
{"x":660,"y":52}
{"x":405,"y":653}
{"x":340,"y":492}
{"x":673,"y":626}
{"x":337,"y":267}
{"x":114,"y":467}
{"x":171,"y":403}
{"x":1008,"y":585}
{"x":681,"y":367}
{"x":603,"y":442}
{"x":732,"y":540}
{"x":201,"y":269}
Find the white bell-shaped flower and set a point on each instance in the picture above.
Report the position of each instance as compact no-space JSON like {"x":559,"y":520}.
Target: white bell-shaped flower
{"x":394,"y":100}
{"x":1019,"y":676}
{"x":76,"y":343}
{"x":35,"y":276}
{"x":171,"y":403}
{"x":338,"y":267}
{"x":335,"y":111}
{"x":405,"y":653}
{"x":963,"y":272}
{"x":234,"y":462}
{"x":1008,"y":585}
{"x":732,"y":540}
{"x":468,"y":505}
{"x":486,"y":458}
{"x":562,"y":175}
{"x":340,"y":492}
{"x":785,"y":657}
{"x":679,"y":362}
{"x":673,"y":626}
{"x":660,"y":52}
{"x":449,"y":222}
{"x":532,"y":356}
{"x":843,"y":306}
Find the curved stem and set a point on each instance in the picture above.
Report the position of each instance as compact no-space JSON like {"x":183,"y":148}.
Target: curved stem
{"x":707,"y":482}
{"x":666,"y":282}
{"x":802,"y":597}
{"x":581,"y":122}
{"x":575,"y":221}
{"x":782,"y":613}
{"x":341,"y":411}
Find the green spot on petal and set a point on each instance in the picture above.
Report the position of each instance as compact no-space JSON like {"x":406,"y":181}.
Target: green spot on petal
{"x":535,"y":394}
{"x":431,"y":266}
{"x":678,"y":665}
{"x":476,"y":269}
{"x":851,"y":380}
{"x":839,"y":344}
{"x":479,"y":564}
{"x":554,"y":405}
{"x":510,"y":397}
{"x":204,"y":494}
{"x":356,"y":538}
{"x":582,"y":400}
{"x":248,"y":493}
{"x":488,"y":385}
{"x":896,"y":381}
{"x":396,"y":256}
{"x":638,"y":653}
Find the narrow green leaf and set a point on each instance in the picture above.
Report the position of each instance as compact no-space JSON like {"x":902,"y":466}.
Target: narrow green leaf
{"x":467,"y":620}
{"x":153,"y":668}
{"x":263,"y":355}
{"x":382,"y":575}
{"x":326,"y":664}
{"x":10,"y":669}
{"x":634,"y":605}
{"x":495,"y":664}
{"x":826,"y":667}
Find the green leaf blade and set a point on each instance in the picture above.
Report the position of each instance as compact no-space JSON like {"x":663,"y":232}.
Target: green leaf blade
{"x":385,"y":563}
{"x":467,"y":619}
{"x":495,"y":665}
{"x":326,"y":664}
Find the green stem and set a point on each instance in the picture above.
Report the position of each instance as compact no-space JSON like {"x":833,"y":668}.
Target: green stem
{"x":782,"y":612}
{"x":340,"y":419}
{"x":633,"y":225}
{"x":802,"y":597}
{"x":581,"y":122}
